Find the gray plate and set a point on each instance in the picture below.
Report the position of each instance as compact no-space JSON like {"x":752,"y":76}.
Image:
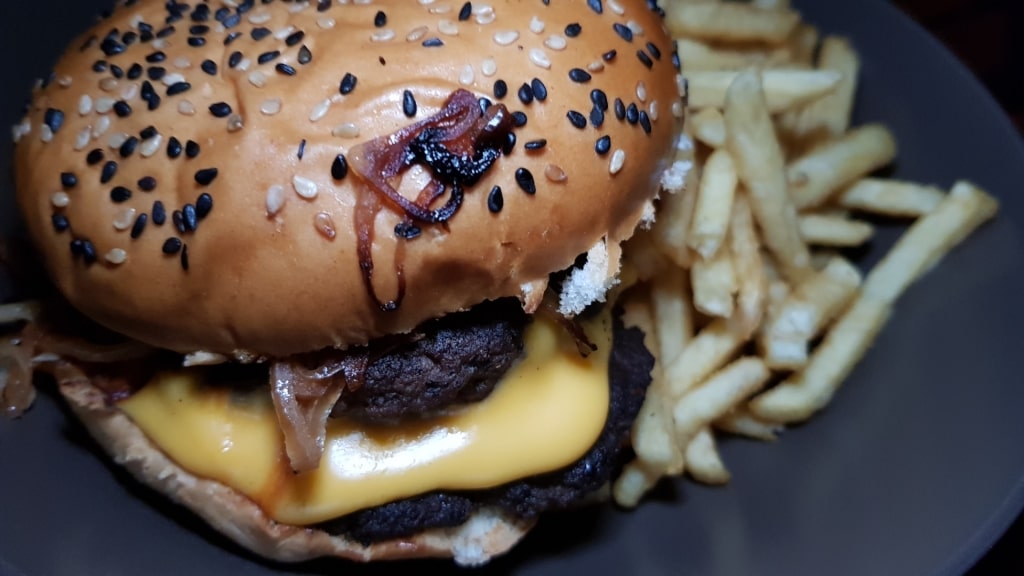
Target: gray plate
{"x":915,"y":468}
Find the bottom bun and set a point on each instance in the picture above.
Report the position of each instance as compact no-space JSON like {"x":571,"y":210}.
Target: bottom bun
{"x":488,"y":533}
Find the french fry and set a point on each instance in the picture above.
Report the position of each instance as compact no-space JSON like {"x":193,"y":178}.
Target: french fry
{"x":714,"y":284}
{"x":928,"y":240}
{"x":672,"y":311}
{"x":672,"y":227}
{"x":749,"y":267}
{"x":702,"y":56}
{"x":814,"y":178}
{"x":836,"y":231}
{"x":713,"y":346}
{"x":631,"y":485}
{"x":643,"y":257}
{"x":890,"y":197}
{"x":803,"y":44}
{"x":783,"y":89}
{"x":719,"y":394}
{"x":829,"y":117}
{"x":751,"y":141}
{"x":714,"y":205}
{"x":740,"y":422}
{"x":730,"y":22}
{"x":708,"y":127}
{"x":703,"y":461}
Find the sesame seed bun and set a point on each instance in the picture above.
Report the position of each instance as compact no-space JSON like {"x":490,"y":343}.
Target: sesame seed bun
{"x":268,"y":262}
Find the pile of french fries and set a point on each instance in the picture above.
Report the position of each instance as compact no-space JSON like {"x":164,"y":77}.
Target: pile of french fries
{"x":740,"y":286}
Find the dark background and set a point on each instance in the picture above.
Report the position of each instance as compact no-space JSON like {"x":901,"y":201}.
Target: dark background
{"x":986,"y":36}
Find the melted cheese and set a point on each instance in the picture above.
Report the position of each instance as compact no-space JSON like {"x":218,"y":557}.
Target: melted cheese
{"x":545,"y":414}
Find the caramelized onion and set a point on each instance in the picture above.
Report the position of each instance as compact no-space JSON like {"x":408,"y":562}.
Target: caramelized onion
{"x":303,"y":402}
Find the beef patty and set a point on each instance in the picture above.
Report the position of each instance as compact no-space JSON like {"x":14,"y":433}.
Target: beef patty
{"x":629,"y":376}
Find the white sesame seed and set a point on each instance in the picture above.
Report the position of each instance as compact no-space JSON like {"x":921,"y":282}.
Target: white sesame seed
{"x":448,"y":28}
{"x":135,"y":21}
{"x":101,"y":126}
{"x":636,"y":28}
{"x":275,"y":199}
{"x":104,"y":104}
{"x":160,"y":43}
{"x":235,"y":123}
{"x":108,"y":84}
{"x":150,"y":146}
{"x":284,"y":32}
{"x":618,"y":159}
{"x":172,"y":78}
{"x":206,"y":90}
{"x":615,"y":7}
{"x":554,"y":173}
{"x":443,"y":9}
{"x":483,"y":9}
{"x":305,"y":187}
{"x":117,"y":139}
{"x":259,"y":17}
{"x":116,"y":256}
{"x":325,"y":22}
{"x":324,"y":225}
{"x":60,"y":199}
{"x":84,"y":104}
{"x":641,"y":91}
{"x":82,"y":139}
{"x":296,"y":8}
{"x":540,"y":58}
{"x":186,"y":108}
{"x":182,"y":63}
{"x":320,"y":110}
{"x":485,"y":18}
{"x":426,"y":2}
{"x":19,"y":130}
{"x":258,"y":79}
{"x":595,"y":66}
{"x":505,"y":37}
{"x":244,"y":64}
{"x":652,"y":110}
{"x":681,"y":85}
{"x":347,"y":130}
{"x":677,"y":109}
{"x":271,"y":106}
{"x":129,"y":91}
{"x":64,"y":81}
{"x":555,"y":42}
{"x":356,"y":1}
{"x":489,"y":67}
{"x":467,"y":75}
{"x":123,"y":219}
{"x":416,"y":34}
{"x":382,"y":35}
{"x":536,"y":25}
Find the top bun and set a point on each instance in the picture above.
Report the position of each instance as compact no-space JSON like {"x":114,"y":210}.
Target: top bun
{"x":236,"y":115}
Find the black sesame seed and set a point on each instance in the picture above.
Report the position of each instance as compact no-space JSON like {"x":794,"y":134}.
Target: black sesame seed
{"x":380,"y":19}
{"x":305,"y":56}
{"x":77,"y":247}
{"x":111,"y":47}
{"x":620,"y":109}
{"x":232,"y":21}
{"x":259,"y":33}
{"x":609,"y":55}
{"x":538,"y":144}
{"x":201,"y":13}
{"x":220,"y":109}
{"x":509,"y":144}
{"x":645,"y":122}
{"x":108,"y":172}
{"x":156,"y":73}
{"x":495,"y":200}
{"x":178,"y":88}
{"x":632,"y":114}
{"x":204,"y":205}
{"x":147,"y":183}
{"x":198,"y":29}
{"x":234,"y":59}
{"x":205,"y":176}
{"x":323,"y":5}
{"x":644,"y":58}
{"x":191,"y":149}
{"x":209,"y":66}
{"x":184,"y":257}
{"x":573,"y":30}
{"x":68,"y":180}
{"x":172,"y":246}
{"x":60,"y":222}
{"x":165,"y":32}
{"x":500,"y":89}
{"x":135,"y":71}
{"x":54,"y":119}
{"x":122,"y":109}
{"x":231,"y":38}
{"x":623,"y":31}
{"x":178,"y":219}
{"x":432,"y":43}
{"x":173,"y":147}
{"x":579,"y":75}
{"x":540,"y":91}
{"x":596,"y":6}
{"x":484,"y":103}
{"x":525,"y":94}
{"x":268,"y":56}
{"x":603,"y":145}
{"x":120,"y":194}
{"x":190,"y":218}
{"x":598,"y":97}
{"x":285,"y":69}
{"x":348,"y":83}
{"x":339,"y":168}
{"x":88,"y":252}
{"x":139,"y":226}
{"x":156,"y":57}
{"x":519,"y":119}
{"x":576,"y":119}
{"x":408,"y":104}
{"x":654,"y":50}
{"x":116,"y":71}
{"x":596,"y":116}
{"x":94,"y":157}
{"x":302,"y":149}
{"x":128,"y":146}
{"x":525,"y":180}
{"x":99,"y":66}
{"x":465,"y":12}
{"x":159,"y":213}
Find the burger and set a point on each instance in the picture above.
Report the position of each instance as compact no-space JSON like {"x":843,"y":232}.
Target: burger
{"x":340,"y":277}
